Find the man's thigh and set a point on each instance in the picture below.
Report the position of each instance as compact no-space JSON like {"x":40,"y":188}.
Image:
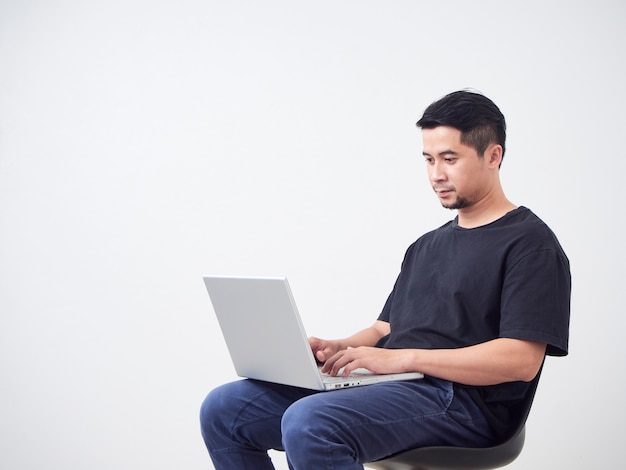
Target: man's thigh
{"x":382,"y":419}
{"x":247,"y":412}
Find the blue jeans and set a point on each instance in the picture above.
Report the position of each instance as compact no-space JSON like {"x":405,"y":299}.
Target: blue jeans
{"x":341,"y":429}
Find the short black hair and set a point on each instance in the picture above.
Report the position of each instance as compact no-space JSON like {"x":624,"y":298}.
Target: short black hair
{"x":477,"y":117}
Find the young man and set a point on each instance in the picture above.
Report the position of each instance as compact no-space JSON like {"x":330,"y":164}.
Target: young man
{"x":478,"y":304}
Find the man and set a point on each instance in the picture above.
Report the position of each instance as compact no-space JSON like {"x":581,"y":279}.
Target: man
{"x":478,"y":304}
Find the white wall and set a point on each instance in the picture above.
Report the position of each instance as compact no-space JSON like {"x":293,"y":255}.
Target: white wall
{"x":145,"y":143}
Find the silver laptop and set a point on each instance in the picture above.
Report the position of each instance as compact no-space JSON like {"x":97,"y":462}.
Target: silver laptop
{"x":266,"y":339}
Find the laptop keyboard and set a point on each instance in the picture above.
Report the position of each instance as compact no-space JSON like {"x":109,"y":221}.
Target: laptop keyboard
{"x":356,"y":373}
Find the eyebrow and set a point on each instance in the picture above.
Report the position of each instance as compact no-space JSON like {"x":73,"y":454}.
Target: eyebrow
{"x":441,"y":154}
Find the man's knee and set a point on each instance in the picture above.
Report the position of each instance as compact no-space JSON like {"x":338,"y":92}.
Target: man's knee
{"x":215,"y":411}
{"x":209,"y":411}
{"x":304,"y":426}
{"x":315,"y":436}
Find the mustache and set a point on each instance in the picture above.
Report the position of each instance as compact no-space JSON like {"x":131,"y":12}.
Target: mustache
{"x":443,"y":187}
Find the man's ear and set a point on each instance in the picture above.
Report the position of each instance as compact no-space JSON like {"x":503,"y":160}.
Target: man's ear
{"x":493,"y":155}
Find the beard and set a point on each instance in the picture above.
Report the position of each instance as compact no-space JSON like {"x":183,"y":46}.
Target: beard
{"x":459,"y":203}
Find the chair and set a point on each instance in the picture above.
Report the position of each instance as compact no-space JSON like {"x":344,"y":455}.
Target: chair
{"x":464,"y":458}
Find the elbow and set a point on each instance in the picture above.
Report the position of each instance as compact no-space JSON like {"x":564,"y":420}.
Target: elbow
{"x":524,"y":359}
{"x":521,"y":373}
{"x":529,"y":374}
{"x":531,"y":362}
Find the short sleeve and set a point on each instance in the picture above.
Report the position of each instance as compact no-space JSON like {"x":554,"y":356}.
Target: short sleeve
{"x":535,"y":301}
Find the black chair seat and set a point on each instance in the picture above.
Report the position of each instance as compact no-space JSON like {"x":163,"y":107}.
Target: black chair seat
{"x":454,"y":458}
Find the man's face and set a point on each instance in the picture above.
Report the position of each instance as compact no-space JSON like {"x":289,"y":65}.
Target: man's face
{"x":456,"y":172}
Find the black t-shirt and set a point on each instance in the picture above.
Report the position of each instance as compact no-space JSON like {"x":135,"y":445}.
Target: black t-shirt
{"x":460,"y":287}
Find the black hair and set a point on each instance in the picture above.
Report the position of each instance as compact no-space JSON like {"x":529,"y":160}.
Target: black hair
{"x":477,"y":117}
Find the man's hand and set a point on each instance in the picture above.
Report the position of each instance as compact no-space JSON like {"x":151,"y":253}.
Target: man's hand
{"x":323,"y":349}
{"x":377,"y":360}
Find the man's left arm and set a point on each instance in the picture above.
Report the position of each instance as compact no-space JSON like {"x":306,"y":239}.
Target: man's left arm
{"x":493,"y":362}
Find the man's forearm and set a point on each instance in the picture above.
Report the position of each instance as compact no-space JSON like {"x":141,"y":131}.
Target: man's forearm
{"x":493,"y":362}
{"x":366,"y":337}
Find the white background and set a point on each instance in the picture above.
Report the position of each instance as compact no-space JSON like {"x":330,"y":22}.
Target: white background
{"x":145,"y":143}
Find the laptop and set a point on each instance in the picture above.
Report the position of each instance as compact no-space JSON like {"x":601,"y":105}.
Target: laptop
{"x":265,"y":337}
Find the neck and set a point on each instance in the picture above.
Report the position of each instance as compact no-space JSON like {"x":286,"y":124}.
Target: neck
{"x":485,"y":211}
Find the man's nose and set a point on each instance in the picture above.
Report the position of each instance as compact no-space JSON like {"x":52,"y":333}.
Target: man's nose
{"x":437,"y":172}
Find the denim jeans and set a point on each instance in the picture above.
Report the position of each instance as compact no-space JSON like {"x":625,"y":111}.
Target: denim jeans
{"x":340,"y":429}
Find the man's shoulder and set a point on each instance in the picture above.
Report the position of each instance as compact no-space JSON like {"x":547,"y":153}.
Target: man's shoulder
{"x":527,"y":233}
{"x":526,"y":221}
